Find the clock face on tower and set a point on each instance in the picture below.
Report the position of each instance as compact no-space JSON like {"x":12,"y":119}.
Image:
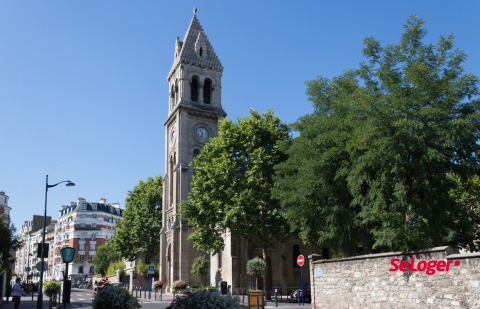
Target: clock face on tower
{"x":202,"y":133}
{"x":173,"y":137}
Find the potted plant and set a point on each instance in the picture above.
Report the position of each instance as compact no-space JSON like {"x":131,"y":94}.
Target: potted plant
{"x":256,"y":267}
{"x":113,"y":297}
{"x":179,"y":285}
{"x":51,"y":288}
{"x":157,"y":286}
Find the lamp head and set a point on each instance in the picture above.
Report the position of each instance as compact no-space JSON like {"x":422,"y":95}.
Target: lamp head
{"x":70,"y":184}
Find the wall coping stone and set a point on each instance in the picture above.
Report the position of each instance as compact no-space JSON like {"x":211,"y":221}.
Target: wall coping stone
{"x":396,"y":253}
{"x":463,"y":256}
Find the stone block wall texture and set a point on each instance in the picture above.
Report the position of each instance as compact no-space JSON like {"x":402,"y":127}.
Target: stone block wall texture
{"x":366,"y":282}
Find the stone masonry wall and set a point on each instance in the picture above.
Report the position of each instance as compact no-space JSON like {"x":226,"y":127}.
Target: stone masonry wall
{"x":366,"y":282}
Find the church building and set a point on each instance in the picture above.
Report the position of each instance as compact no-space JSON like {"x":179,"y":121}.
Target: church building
{"x":195,"y":107}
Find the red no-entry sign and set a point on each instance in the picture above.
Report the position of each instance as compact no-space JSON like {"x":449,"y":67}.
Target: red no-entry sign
{"x":300,"y":260}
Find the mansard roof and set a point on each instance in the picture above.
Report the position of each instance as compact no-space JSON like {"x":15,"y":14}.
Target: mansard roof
{"x":187,"y":52}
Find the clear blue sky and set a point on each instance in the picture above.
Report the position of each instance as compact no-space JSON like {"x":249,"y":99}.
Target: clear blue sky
{"x":83,"y":90}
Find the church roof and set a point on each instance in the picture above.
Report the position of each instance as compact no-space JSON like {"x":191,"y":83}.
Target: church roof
{"x":187,"y":48}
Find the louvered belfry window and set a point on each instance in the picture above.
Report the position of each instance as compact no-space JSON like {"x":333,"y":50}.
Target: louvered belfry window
{"x":207,"y":91}
{"x":194,"y":89}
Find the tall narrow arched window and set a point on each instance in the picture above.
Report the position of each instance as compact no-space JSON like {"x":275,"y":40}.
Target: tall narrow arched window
{"x":207,"y":91}
{"x":194,"y":89}
{"x":201,"y":51}
{"x":296,"y":253}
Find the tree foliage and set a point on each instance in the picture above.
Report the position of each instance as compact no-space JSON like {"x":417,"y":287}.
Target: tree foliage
{"x":8,"y":242}
{"x":233,"y":182}
{"x":200,"y":267}
{"x":137,"y":233}
{"x":256,"y":267}
{"x":104,"y":257}
{"x":114,"y":266}
{"x":369,"y":167}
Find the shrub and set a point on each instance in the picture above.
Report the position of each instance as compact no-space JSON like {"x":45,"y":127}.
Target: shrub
{"x":112,"y":268}
{"x":51,"y":288}
{"x":205,"y":299}
{"x":112,"y":297}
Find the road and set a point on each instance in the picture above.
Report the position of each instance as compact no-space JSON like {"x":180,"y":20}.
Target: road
{"x":83,"y":299}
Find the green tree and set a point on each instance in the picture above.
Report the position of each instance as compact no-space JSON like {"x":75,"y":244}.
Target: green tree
{"x":142,"y":268}
{"x":256,"y":267}
{"x":105,"y":256}
{"x":200,"y":267}
{"x":233,"y":182}
{"x":369,"y":167}
{"x":8,"y":242}
{"x":114,"y":266}
{"x":137,"y":233}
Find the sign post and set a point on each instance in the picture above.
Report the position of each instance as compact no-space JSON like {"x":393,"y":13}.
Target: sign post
{"x":67,"y":255}
{"x":300,"y":261}
{"x":151,"y":271}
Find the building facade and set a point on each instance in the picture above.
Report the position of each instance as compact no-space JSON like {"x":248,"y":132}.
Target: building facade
{"x":84,"y":226}
{"x":4,"y":208}
{"x":195,"y":107}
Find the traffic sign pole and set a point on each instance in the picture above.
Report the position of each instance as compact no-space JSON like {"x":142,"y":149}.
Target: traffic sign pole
{"x":300,"y":262}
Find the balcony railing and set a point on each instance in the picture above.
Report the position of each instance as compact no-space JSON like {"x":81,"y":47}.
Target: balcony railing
{"x":87,"y":228}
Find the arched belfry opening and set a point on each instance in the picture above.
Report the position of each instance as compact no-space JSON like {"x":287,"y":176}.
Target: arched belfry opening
{"x":201,"y":51}
{"x":207,"y":91}
{"x":194,"y":89}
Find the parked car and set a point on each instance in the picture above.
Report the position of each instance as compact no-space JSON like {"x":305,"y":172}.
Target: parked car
{"x":298,"y":293}
{"x":120,"y":285}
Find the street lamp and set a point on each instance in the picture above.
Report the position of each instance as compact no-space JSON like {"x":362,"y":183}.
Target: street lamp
{"x":40,"y":292}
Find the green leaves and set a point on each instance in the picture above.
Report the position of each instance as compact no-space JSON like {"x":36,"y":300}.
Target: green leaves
{"x":104,"y":257}
{"x":370,"y":165}
{"x":137,"y":234}
{"x":200,"y":267}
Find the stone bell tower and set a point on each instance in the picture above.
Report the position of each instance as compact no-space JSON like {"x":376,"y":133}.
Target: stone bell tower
{"x":195,"y":107}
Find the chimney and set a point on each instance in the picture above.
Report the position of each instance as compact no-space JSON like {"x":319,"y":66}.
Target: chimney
{"x":72,"y":204}
{"x":65,"y":206}
{"x":116,"y":205}
{"x":80,"y":200}
{"x":103,"y":201}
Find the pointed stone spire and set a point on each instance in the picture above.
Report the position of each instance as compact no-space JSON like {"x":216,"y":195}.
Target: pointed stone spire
{"x":189,"y":53}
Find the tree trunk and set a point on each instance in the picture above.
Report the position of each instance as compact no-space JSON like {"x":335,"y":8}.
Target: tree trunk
{"x":256,"y":283}
{"x":265,"y":282}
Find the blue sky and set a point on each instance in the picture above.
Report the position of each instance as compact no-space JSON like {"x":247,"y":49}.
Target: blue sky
{"x":83,"y":90}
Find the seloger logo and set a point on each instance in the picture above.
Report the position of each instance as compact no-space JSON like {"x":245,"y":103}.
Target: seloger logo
{"x":430,"y":266}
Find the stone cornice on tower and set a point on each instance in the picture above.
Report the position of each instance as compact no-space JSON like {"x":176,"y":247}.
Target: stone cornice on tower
{"x":187,"y":52}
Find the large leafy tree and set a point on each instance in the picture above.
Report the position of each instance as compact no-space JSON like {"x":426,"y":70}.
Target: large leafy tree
{"x":104,"y":257}
{"x":369,"y":167}
{"x":137,"y":233}
{"x":8,"y":242}
{"x":233,"y":182}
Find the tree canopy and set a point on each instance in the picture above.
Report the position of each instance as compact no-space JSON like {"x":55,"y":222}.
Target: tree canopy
{"x":8,"y":242}
{"x":200,"y":267}
{"x":368,"y":170}
{"x":233,"y":182}
{"x":104,"y":257}
{"x":137,"y":234}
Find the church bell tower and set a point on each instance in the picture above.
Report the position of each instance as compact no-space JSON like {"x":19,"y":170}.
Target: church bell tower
{"x":194,"y":109}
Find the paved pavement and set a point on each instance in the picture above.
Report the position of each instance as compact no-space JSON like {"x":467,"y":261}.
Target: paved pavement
{"x":83,"y":299}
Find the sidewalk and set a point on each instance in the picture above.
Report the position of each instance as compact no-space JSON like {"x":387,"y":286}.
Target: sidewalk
{"x":24,"y":304}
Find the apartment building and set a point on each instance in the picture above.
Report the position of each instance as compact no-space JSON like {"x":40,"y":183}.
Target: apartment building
{"x":30,"y":236}
{"x":84,"y":226}
{"x":4,"y":208}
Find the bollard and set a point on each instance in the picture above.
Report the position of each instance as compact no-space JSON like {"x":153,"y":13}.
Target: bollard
{"x":161,"y":292}
{"x":145,"y":294}
{"x":32,"y":295}
{"x":136,"y":292}
{"x":298,"y":296}
{"x":276,"y":302}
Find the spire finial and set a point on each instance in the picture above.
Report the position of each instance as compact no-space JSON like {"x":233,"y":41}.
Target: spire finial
{"x":194,"y":11}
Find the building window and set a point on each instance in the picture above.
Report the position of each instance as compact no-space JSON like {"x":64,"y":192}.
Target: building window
{"x":201,"y":51}
{"x":219,"y":253}
{"x":84,"y":206}
{"x":296,"y":253}
{"x":84,"y":215}
{"x":91,"y":257}
{"x":94,"y":206}
{"x":80,"y":269}
{"x":94,"y":225}
{"x":94,"y":216}
{"x":93,"y":237}
{"x":82,"y":224}
{"x":207,"y":88}
{"x":194,"y":89}
{"x":82,"y":236}
{"x":82,"y":247}
{"x":92,"y":247}
{"x":91,"y":267}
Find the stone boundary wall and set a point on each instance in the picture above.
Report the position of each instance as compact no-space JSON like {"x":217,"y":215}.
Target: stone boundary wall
{"x":366,"y":282}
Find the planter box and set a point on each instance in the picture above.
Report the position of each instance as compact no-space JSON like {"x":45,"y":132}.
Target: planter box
{"x":255,"y":300}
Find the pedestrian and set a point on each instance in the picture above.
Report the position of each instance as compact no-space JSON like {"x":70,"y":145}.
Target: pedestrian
{"x":78,"y":283}
{"x":17,"y":293}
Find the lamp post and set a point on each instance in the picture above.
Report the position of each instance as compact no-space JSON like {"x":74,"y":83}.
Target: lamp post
{"x":40,"y":292}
